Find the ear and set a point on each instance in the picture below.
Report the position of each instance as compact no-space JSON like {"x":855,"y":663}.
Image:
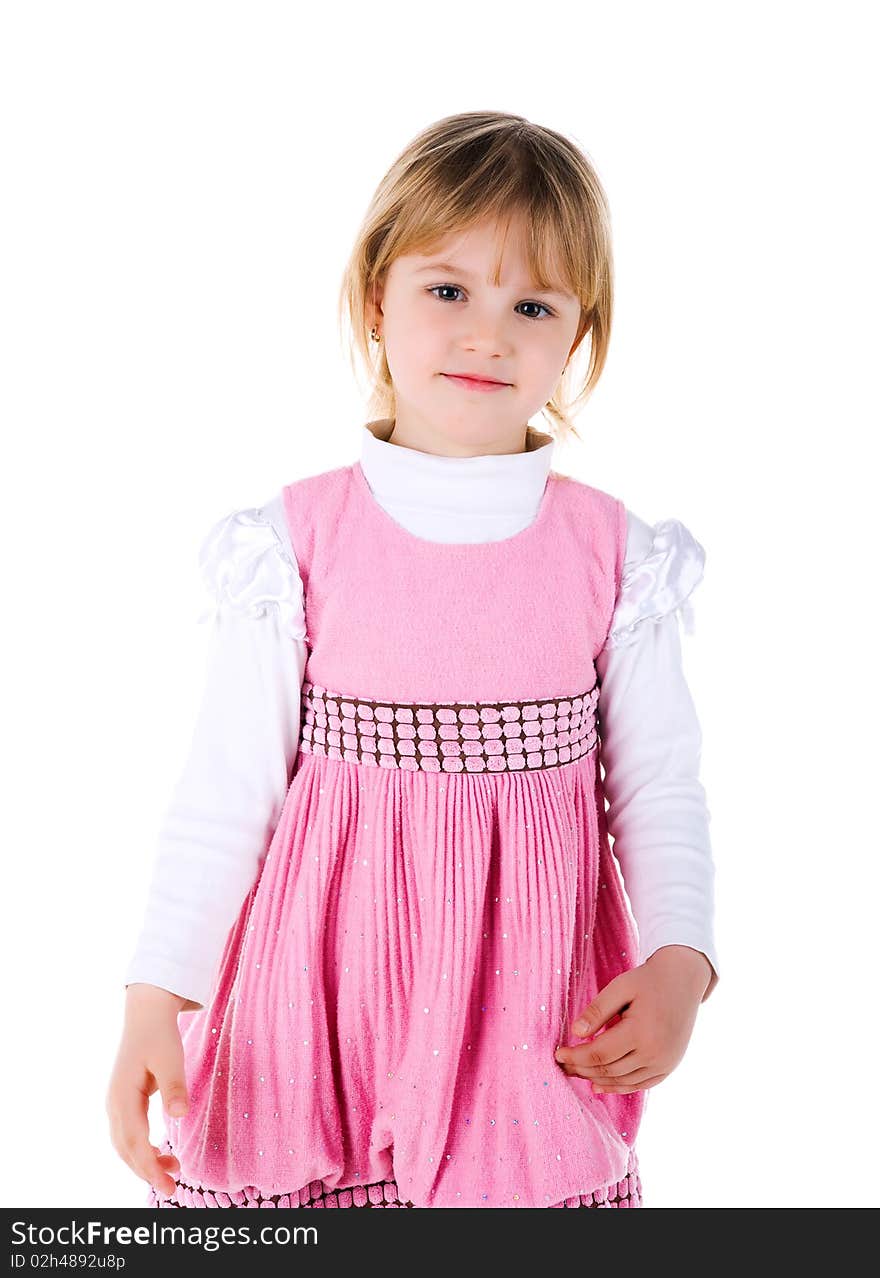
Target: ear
{"x":374,"y":304}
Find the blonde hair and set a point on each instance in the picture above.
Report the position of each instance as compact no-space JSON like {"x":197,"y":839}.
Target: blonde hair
{"x":461,"y":170}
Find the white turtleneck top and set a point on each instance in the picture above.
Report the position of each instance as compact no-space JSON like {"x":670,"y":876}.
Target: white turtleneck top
{"x":228,"y":798}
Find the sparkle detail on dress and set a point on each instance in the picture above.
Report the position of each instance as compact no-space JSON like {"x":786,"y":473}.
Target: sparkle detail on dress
{"x":476,"y":736}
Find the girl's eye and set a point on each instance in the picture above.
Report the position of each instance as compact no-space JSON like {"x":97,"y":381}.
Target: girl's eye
{"x":455,"y":289}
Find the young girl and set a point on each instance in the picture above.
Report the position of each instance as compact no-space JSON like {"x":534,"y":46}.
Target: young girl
{"x":385,"y":901}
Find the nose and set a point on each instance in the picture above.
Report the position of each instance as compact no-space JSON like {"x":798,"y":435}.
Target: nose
{"x":486,"y":332}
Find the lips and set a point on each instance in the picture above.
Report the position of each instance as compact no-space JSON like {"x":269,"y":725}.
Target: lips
{"x":475,"y":377}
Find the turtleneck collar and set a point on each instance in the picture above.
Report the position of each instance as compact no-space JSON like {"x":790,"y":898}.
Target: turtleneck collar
{"x":483,"y":498}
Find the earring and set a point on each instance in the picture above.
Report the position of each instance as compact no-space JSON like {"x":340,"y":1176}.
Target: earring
{"x":374,"y":333}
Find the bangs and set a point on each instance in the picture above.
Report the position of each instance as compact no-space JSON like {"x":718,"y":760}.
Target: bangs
{"x":506,"y":189}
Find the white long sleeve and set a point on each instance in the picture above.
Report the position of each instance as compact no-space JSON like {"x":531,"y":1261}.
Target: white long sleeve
{"x":229,"y":798}
{"x":650,"y":742}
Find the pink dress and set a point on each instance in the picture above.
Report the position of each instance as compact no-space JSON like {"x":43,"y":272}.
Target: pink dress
{"x":439,"y":898}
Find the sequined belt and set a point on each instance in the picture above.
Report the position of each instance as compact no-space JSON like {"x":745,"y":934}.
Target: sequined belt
{"x":482,"y":736}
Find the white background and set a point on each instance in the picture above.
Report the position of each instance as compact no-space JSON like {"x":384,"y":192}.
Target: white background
{"x":182,"y":184}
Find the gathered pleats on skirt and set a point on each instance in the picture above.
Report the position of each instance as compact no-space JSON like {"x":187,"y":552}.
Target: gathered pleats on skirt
{"x":394,"y":989}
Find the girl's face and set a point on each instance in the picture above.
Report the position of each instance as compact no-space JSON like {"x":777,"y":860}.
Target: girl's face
{"x":439,"y":314}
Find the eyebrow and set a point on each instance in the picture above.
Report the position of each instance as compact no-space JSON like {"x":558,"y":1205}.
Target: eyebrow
{"x":457,"y":270}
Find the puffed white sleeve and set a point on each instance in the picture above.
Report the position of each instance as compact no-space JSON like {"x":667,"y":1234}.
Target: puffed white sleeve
{"x":228,"y":799}
{"x":651,"y":742}
{"x":664,"y":564}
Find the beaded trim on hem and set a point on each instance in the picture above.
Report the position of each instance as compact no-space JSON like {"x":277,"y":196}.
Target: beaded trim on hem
{"x":383,"y":1193}
{"x":494,"y":736}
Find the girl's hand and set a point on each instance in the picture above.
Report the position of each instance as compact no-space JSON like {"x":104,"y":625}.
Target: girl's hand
{"x":150,"y":1057}
{"x":657,"y":1004}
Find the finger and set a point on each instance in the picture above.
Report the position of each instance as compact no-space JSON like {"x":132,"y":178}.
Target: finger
{"x":133,"y":1142}
{"x":636,"y":1075}
{"x":165,"y":1170}
{"x":610,"y":1000}
{"x":600,"y":1052}
{"x":623,"y":1089}
{"x":167,"y":1183}
{"x":613,"y":1072}
{"x":171,"y":1078}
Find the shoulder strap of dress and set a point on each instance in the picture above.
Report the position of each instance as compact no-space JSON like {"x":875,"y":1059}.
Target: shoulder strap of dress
{"x":602,"y":518}
{"x":310,"y":505}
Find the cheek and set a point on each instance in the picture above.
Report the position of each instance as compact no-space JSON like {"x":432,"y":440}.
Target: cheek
{"x":418,"y":343}
{"x":414,"y":355}
{"x":549,"y":356}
